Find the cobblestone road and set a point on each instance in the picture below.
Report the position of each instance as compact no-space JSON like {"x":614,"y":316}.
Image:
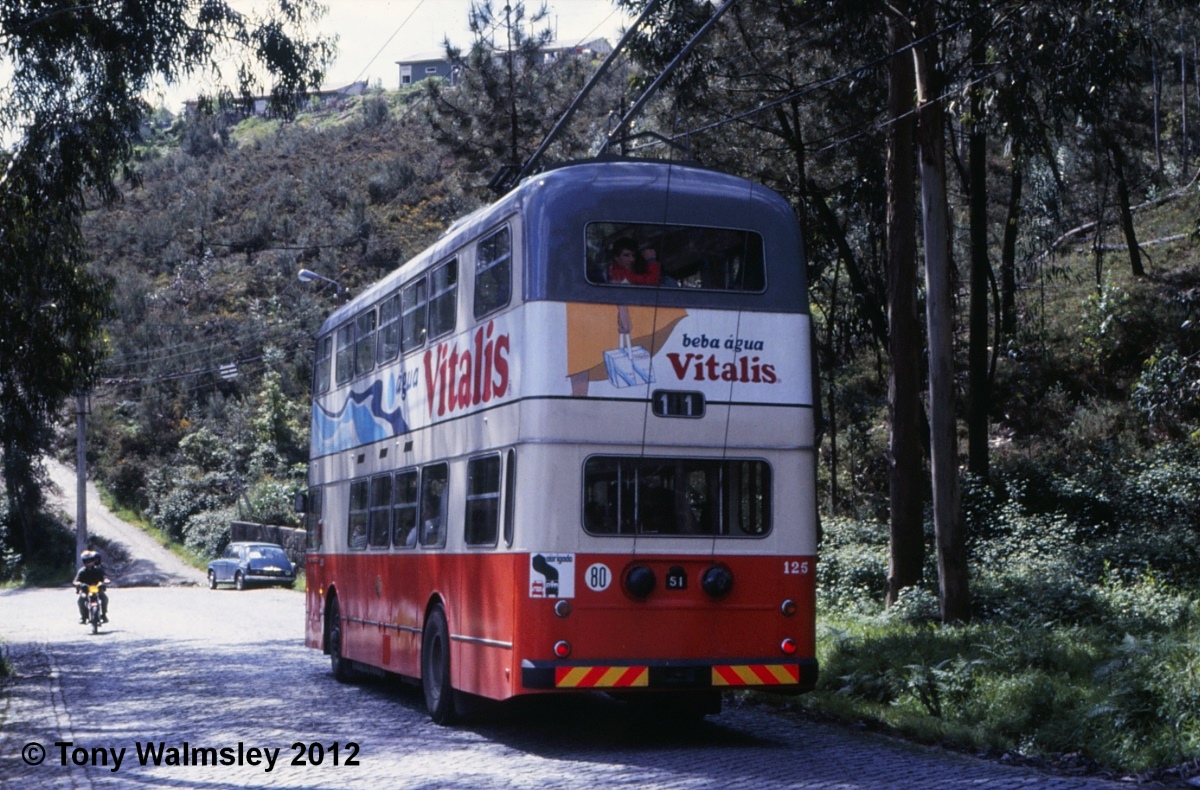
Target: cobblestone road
{"x":193,"y":688}
{"x":180,"y":670}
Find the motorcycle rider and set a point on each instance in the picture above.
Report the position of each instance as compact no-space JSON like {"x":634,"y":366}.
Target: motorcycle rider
{"x":92,"y":572}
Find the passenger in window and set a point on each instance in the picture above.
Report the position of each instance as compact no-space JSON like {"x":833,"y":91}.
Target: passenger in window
{"x":431,"y":529}
{"x":358,"y":540}
{"x":649,"y":255}
{"x":630,"y":266}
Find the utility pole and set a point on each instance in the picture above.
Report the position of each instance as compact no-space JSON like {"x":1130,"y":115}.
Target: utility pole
{"x":82,"y":407}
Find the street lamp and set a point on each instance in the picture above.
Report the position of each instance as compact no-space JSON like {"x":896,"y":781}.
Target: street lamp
{"x":308,"y":276}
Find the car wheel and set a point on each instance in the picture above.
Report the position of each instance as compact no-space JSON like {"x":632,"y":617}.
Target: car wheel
{"x":435,"y":668}
{"x":212,"y":579}
{"x":239,"y":581}
{"x":343,"y":671}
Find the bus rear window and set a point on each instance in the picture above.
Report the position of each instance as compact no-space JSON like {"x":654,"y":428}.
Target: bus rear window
{"x":676,"y":496}
{"x":675,"y":256}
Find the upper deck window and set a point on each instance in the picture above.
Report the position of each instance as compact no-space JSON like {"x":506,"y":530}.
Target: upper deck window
{"x":413,"y":309}
{"x":493,"y":272}
{"x":364,"y":347}
{"x":344,"y":360}
{"x":388,"y":334}
{"x":717,"y":259}
{"x":443,"y":289}
{"x":323,"y":364}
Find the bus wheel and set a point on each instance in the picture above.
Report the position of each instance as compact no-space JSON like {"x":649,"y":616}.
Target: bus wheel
{"x":343,"y":672}
{"x":435,"y":668}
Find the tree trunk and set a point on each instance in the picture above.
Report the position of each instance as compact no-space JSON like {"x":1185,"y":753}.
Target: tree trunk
{"x":979,"y":394}
{"x":1156,"y":84}
{"x":1008,"y":249}
{"x":1183,"y":93}
{"x":906,"y":540}
{"x":939,"y":316}
{"x":1135,"y":256}
{"x":831,"y":356}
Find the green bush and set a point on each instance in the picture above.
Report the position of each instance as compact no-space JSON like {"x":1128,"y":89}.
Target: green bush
{"x":273,"y":501}
{"x":208,"y":532}
{"x":1086,"y":629}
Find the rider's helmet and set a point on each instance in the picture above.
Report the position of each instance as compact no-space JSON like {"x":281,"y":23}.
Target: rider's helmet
{"x":89,"y":557}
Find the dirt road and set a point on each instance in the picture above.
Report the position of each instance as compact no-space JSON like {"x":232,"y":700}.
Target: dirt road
{"x":143,"y":561}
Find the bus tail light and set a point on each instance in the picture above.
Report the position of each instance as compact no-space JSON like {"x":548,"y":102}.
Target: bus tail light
{"x":717,"y":581}
{"x":640,"y":581}
{"x":562,"y":607}
{"x":562,"y":648}
{"x":788,"y":646}
{"x":788,"y":607}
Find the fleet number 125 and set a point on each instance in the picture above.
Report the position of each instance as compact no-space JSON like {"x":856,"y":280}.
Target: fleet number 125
{"x":795,"y":568}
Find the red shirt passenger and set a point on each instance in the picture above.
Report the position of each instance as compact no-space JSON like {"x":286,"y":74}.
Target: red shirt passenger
{"x":628,"y":267}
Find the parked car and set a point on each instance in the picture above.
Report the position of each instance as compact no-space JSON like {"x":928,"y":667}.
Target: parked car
{"x":249,"y":563}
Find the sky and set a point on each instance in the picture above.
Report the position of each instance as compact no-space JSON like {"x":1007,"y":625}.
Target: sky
{"x":374,"y":34}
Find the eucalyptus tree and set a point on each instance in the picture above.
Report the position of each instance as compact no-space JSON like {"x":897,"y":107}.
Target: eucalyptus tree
{"x":72,"y":110}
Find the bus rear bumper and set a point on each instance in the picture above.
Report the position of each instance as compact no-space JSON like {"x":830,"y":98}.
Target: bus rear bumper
{"x":762,"y":674}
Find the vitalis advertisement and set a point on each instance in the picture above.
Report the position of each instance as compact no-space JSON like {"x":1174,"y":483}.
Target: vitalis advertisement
{"x":583,"y":350}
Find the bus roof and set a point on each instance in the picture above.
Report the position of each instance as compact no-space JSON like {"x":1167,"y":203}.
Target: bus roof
{"x":556,"y":205}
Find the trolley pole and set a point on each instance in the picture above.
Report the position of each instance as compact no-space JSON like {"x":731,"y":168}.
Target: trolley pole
{"x":81,"y":410}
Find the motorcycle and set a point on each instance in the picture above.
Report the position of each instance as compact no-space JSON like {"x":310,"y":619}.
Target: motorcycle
{"x":94,"y":608}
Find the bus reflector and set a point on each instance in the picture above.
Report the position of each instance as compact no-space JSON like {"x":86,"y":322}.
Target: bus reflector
{"x":601,"y":677}
{"x":755,"y":675}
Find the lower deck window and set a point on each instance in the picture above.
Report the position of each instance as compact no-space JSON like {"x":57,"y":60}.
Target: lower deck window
{"x":676,"y":496}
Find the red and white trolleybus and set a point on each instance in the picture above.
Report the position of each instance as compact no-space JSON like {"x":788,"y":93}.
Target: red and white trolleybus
{"x":570,"y":446}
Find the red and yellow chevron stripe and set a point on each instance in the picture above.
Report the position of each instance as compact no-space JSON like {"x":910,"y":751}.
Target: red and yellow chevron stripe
{"x":601,"y":677}
{"x":755,"y":675}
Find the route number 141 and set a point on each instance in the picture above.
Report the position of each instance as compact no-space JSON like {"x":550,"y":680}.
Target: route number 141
{"x":795,"y":568}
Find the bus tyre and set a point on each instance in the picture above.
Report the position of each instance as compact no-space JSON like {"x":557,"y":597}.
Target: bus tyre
{"x":435,"y":668}
{"x":343,"y":672}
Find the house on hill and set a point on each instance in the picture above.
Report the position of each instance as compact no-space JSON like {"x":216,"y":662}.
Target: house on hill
{"x":555,"y":50}
{"x":426,"y":64}
{"x":435,"y":64}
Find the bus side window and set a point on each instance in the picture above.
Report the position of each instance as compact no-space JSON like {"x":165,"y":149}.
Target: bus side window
{"x":379,"y":526}
{"x":323,"y":364}
{"x":364,"y":348}
{"x":510,"y":487}
{"x":344,"y":361}
{"x":483,"y":501}
{"x":389,"y":330}
{"x":493,"y":272}
{"x":412,"y":311}
{"x":357,"y":522}
{"x":404,"y":510}
{"x":443,"y":290}
{"x":433,"y":505}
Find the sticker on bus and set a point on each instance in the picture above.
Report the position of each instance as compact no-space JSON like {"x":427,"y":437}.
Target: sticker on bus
{"x":552,"y":576}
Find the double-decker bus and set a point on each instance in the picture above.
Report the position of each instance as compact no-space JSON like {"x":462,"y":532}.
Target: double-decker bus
{"x":569,"y":447}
